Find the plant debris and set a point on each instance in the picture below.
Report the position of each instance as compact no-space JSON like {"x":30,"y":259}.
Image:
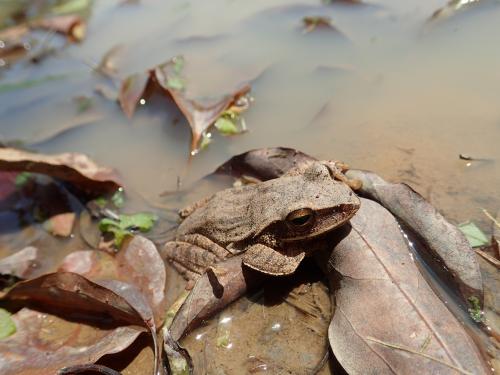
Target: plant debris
{"x":168,"y":78}
{"x":77,"y":169}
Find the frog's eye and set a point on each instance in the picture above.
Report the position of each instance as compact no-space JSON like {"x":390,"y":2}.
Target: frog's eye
{"x":300,"y":218}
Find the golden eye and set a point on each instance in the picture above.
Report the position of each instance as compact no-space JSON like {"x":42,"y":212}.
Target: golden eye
{"x":300,"y":218}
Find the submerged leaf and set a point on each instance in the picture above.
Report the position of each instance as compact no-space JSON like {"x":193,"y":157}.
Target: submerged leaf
{"x":126,"y":225}
{"x":474,"y":235}
{"x":7,"y":326}
{"x":168,"y":78}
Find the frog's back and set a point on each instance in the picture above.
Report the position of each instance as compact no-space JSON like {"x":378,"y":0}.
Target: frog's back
{"x":224,"y":218}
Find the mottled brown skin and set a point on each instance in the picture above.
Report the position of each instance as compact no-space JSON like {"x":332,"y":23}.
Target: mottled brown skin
{"x":273,"y":222}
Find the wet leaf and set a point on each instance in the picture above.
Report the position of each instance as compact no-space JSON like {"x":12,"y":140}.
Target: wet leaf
{"x":441,"y":239}
{"x":45,"y":343}
{"x":127,"y":225}
{"x":118,"y":198}
{"x":168,"y":78}
{"x":77,"y":169}
{"x":107,"y":65}
{"x":138,"y":263}
{"x":7,"y":326}
{"x":474,"y":235}
{"x":20,"y":264}
{"x":403,"y":325}
{"x":214,"y":290}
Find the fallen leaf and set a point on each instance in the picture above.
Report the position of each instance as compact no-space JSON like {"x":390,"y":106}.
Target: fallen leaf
{"x":138,"y":263}
{"x":72,"y":295}
{"x":71,"y":25}
{"x":75,"y":168}
{"x":441,"y":239}
{"x":60,"y":225}
{"x":168,"y":78}
{"x":387,"y":318}
{"x":107,"y":65}
{"x":45,"y":343}
{"x":214,"y":290}
{"x":127,"y":225}
{"x":20,"y":264}
{"x":474,"y":235}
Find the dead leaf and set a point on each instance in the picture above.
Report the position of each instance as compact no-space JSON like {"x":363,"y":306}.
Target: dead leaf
{"x":312,"y":23}
{"x":441,"y":239}
{"x":71,"y":167}
{"x":45,"y":343}
{"x":20,"y":264}
{"x":214,"y":290}
{"x":138,"y":263}
{"x":168,"y":79}
{"x":61,"y":224}
{"x":71,"y":25}
{"x":72,"y":295}
{"x":387,"y":318}
{"x":107,"y":65}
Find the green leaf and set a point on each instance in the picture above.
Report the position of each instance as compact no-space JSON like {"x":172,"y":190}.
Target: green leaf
{"x":7,"y":326}
{"x":474,"y":235}
{"x":475,"y":311}
{"x":126,"y":225}
{"x":226,"y":126}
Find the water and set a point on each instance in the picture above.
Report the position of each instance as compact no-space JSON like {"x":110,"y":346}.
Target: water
{"x":388,"y":92}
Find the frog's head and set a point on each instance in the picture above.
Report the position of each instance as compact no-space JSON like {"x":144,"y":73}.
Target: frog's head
{"x":322,"y":204}
{"x":307,"y":205}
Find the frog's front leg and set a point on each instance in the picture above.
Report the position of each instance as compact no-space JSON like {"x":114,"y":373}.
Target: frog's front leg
{"x":192,"y":254}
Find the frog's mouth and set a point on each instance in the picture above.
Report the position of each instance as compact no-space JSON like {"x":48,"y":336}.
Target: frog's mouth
{"x":324,"y":221}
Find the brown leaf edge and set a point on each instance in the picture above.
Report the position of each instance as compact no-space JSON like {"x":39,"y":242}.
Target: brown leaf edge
{"x":75,"y":168}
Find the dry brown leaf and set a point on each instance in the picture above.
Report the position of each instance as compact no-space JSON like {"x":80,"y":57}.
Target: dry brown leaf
{"x":138,"y":263}
{"x":443,"y":240}
{"x":72,"y":295}
{"x":131,"y":91}
{"x":44,"y":343}
{"x":77,"y":169}
{"x":387,"y":318}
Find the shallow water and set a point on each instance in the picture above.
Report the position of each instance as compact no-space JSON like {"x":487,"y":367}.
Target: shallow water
{"x":388,"y":92}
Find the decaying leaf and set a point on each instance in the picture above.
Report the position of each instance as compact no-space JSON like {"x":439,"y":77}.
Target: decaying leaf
{"x":138,"y":263}
{"x":71,"y":295}
{"x":168,"y":79}
{"x":387,"y":318}
{"x":443,"y":240}
{"x":214,"y":290}
{"x":77,"y":169}
{"x":45,"y":343}
{"x":20,"y":264}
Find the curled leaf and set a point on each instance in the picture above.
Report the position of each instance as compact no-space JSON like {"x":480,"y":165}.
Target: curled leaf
{"x":77,"y":169}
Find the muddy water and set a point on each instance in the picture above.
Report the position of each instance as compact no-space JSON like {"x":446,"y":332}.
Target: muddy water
{"x":387,"y":91}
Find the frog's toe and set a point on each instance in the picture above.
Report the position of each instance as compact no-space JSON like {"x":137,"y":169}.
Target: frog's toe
{"x":267,"y":260}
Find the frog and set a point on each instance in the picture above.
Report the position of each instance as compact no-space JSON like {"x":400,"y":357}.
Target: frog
{"x":273,"y":223}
